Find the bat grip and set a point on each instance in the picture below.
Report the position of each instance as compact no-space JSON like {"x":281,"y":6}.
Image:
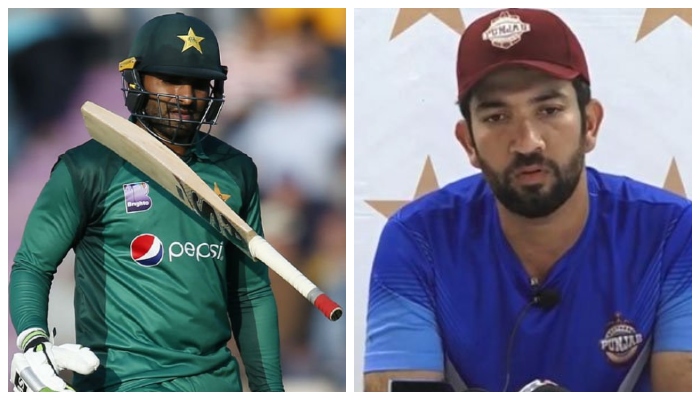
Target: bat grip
{"x":262,"y":250}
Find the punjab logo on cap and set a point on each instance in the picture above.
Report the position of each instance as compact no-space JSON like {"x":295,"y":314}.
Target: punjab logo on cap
{"x":505,"y":30}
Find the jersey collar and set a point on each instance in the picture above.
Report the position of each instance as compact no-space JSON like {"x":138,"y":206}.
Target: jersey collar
{"x":197,"y":149}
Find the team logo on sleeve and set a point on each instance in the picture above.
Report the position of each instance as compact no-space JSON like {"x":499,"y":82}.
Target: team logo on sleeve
{"x":621,"y":340}
{"x":136,"y":197}
{"x":147,"y":250}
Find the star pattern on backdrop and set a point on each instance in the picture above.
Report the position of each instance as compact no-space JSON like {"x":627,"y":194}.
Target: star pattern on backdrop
{"x":191,"y":41}
{"x":673,"y":182}
{"x":655,"y":17}
{"x":427,"y":182}
{"x":407,"y":17}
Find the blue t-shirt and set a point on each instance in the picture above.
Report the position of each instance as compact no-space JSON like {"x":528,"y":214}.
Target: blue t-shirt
{"x":446,"y":286}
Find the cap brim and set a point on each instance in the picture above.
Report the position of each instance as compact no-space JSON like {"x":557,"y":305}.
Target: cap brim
{"x":199,"y":73}
{"x":554,"y":70}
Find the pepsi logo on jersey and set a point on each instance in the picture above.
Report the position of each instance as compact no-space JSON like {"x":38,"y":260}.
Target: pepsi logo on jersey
{"x":147,"y":250}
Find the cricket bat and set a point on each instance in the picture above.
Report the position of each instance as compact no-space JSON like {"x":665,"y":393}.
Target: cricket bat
{"x":166,"y":168}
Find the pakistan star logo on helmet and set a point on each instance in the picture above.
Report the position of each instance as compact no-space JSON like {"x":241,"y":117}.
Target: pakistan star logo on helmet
{"x":191,"y":41}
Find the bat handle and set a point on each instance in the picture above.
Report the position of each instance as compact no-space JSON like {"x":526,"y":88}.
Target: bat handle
{"x":328,"y":307}
{"x":263,"y":251}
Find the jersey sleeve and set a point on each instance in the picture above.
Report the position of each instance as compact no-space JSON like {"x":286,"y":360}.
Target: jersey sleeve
{"x":253,"y":310}
{"x":49,"y":233}
{"x":402,"y":332}
{"x":673,"y":330}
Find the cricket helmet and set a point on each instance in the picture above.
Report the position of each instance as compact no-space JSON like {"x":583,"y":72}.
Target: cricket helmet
{"x":176,"y":45}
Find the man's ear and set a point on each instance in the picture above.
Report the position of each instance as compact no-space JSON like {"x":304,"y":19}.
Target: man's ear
{"x":594,"y":117}
{"x":465,"y":138}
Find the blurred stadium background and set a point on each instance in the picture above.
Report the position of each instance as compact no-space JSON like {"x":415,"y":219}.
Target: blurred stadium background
{"x":285,"y":107}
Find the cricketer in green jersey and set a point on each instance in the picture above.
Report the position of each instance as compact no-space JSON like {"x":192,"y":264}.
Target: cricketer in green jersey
{"x":159,"y":292}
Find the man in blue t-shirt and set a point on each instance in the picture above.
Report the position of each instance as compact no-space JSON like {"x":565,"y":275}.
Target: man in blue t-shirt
{"x":539,"y":268}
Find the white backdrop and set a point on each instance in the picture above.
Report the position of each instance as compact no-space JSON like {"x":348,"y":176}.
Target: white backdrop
{"x":405,"y":93}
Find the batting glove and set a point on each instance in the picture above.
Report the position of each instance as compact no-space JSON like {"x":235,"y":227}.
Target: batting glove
{"x":37,"y":368}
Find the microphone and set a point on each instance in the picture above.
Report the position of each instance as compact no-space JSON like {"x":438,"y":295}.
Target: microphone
{"x":542,"y":386}
{"x":546,"y":299}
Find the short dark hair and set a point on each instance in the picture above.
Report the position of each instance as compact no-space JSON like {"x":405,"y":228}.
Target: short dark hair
{"x":583,"y":95}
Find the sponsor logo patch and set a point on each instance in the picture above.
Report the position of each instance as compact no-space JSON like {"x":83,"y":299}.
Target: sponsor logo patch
{"x":136,"y":197}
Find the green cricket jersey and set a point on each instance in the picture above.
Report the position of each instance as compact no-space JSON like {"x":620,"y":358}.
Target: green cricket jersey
{"x":155,"y":284}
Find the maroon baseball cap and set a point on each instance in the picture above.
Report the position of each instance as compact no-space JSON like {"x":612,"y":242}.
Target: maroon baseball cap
{"x":532,"y":38}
